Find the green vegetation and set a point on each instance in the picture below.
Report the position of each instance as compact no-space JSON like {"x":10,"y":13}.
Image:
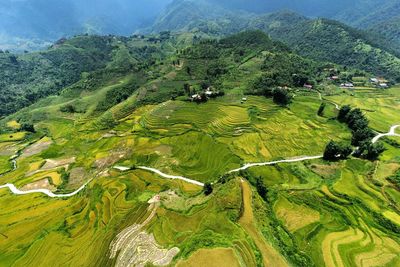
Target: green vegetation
{"x":208,"y":189}
{"x":335,"y":151}
{"x":305,"y":213}
{"x":319,"y":39}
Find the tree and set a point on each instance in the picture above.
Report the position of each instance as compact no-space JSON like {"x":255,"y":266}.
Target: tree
{"x":355,"y":119}
{"x":261,"y":188}
{"x":13,"y":60}
{"x":370,"y":151}
{"x":336,"y":151}
{"x":299,"y":80}
{"x":281,"y":97}
{"x":68,"y":108}
{"x":361,"y":135}
{"x":188,"y":70}
{"x":343,"y":113}
{"x":28,"y":127}
{"x":186,"y":88}
{"x":321,"y":109}
{"x":208,"y":189}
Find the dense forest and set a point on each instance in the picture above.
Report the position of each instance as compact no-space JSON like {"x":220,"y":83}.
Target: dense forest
{"x":319,"y":39}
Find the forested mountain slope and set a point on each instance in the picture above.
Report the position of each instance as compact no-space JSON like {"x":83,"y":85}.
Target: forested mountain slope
{"x":320,"y":39}
{"x":29,"y":77}
{"x":33,"y":23}
{"x":212,"y":149}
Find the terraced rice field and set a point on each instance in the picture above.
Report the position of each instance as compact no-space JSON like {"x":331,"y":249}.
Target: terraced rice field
{"x":218,"y":257}
{"x":313,"y":213}
{"x":380,"y":106}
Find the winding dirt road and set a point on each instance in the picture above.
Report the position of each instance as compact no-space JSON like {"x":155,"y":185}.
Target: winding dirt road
{"x":47,"y":192}
{"x":392,"y":132}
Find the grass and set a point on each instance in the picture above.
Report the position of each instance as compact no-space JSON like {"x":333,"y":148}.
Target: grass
{"x":270,"y":256}
{"x":12,"y":137}
{"x":5,"y":164}
{"x":314,"y":213}
{"x":212,"y":257}
{"x":380,"y":106}
{"x":295,"y":216}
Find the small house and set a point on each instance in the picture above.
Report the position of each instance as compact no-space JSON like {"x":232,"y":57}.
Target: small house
{"x":350,"y":85}
{"x":383,"y":85}
{"x":196,"y":97}
{"x":209,"y":92}
{"x":347,"y":85}
{"x":308,"y":86}
{"x":373,"y":80}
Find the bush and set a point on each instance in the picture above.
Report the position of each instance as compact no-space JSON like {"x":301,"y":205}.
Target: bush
{"x":343,"y":113}
{"x":321,"y":109}
{"x":28,"y":127}
{"x":281,"y":97}
{"x":208,"y":189}
{"x":335,"y":151}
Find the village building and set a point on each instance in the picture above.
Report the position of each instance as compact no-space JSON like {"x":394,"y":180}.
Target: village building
{"x":308,"y":86}
{"x":347,"y":85}
{"x":196,"y":97}
{"x":383,"y":85}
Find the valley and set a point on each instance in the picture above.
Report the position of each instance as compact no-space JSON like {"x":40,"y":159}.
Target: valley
{"x":185,"y":148}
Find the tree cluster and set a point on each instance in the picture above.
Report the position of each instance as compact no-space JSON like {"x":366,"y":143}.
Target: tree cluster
{"x":358,"y":123}
{"x":336,"y":151}
{"x":361,"y":133}
{"x":208,"y":189}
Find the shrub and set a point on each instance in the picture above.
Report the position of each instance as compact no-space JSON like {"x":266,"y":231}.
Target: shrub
{"x":335,"y":151}
{"x":208,"y":189}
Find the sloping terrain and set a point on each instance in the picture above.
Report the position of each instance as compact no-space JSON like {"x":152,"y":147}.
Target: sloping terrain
{"x":320,"y":39}
{"x":256,"y":141}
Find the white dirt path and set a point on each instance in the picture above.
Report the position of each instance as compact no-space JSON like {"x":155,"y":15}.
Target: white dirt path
{"x":16,"y":191}
{"x":392,"y":132}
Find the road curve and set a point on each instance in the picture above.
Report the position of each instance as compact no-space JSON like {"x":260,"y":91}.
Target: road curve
{"x":249,"y":165}
{"x":392,"y":132}
{"x":47,"y":192}
{"x":170,"y":176}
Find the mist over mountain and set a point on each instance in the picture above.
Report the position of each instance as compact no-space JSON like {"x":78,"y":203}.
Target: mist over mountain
{"x":30,"y":24}
{"x":24,"y":21}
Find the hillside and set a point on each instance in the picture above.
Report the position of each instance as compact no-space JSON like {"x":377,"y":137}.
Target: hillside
{"x":390,"y":29}
{"x":320,"y":39}
{"x":32,"y":24}
{"x":207,"y":154}
{"x":30,"y":77}
{"x":369,"y":13}
{"x":327,"y":40}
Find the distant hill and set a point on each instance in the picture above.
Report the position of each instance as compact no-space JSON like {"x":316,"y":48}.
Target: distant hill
{"x":319,"y":39}
{"x":22,"y":21}
{"x":328,"y":40}
{"x":390,"y":29}
{"x":93,"y":60}
{"x":368,"y":13}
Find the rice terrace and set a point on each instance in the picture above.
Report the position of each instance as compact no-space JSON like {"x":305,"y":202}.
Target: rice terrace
{"x":215,"y":144}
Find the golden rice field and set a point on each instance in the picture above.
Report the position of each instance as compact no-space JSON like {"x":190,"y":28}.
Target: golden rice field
{"x":314,"y":213}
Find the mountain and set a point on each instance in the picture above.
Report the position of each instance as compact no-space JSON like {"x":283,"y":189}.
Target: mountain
{"x":320,"y":39}
{"x":327,"y":40}
{"x":368,"y":13}
{"x":170,"y":154}
{"x":27,"y":78}
{"x":22,"y":21}
{"x":390,"y":29}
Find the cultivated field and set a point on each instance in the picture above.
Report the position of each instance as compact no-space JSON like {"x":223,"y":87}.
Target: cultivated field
{"x":313,"y":213}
